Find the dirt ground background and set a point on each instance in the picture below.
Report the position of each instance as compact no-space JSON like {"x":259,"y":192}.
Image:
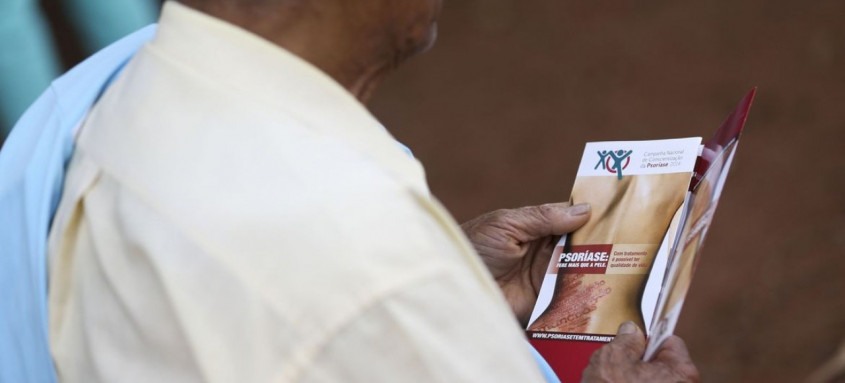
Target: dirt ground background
{"x":500,"y":109}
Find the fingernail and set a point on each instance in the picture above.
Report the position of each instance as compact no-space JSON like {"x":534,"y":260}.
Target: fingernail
{"x":627,"y":328}
{"x":580,"y":209}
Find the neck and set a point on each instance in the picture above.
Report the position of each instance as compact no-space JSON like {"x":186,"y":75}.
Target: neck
{"x":350,"y":53}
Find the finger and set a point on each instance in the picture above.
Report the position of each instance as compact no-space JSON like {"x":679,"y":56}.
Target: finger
{"x":673,"y":348}
{"x":551,"y":219}
{"x":674,"y":353}
{"x":629,"y":340}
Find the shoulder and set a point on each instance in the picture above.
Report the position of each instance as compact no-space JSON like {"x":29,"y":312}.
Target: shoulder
{"x":288,"y":208}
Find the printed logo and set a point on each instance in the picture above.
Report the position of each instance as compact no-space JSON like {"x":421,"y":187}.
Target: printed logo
{"x":614,"y":161}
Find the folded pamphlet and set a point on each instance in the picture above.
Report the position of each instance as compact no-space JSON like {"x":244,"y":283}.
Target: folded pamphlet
{"x":652,"y":203}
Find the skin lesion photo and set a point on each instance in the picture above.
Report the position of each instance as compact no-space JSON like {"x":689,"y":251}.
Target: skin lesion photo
{"x":634,"y":213}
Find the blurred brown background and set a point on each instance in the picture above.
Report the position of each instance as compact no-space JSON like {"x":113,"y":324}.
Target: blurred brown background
{"x":500,"y":110}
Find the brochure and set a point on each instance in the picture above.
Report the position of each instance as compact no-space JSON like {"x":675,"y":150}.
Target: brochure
{"x":652,"y":204}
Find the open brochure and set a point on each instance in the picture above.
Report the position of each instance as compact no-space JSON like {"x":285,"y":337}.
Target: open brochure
{"x":652,"y":204}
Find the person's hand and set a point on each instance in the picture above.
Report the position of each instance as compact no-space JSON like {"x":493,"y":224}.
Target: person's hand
{"x":516,"y":246}
{"x":620,"y":361}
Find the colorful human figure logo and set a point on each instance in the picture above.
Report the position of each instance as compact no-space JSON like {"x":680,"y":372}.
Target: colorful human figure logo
{"x":621,"y":159}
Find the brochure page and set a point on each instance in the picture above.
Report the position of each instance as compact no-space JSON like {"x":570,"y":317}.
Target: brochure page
{"x":652,"y":204}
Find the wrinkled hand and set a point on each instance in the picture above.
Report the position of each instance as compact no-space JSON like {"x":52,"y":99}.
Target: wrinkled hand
{"x":516,"y":246}
{"x":621,"y":361}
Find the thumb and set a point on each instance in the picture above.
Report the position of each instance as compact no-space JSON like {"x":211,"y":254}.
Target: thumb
{"x":536,"y":222}
{"x":629,"y":340}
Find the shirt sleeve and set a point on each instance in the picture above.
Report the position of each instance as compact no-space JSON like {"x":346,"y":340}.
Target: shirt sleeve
{"x":137,"y":297}
{"x":433,"y":331}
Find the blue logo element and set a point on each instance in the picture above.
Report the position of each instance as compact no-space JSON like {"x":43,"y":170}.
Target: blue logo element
{"x":621,"y":159}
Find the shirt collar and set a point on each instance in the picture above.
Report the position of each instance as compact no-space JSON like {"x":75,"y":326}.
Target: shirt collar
{"x":226,"y":53}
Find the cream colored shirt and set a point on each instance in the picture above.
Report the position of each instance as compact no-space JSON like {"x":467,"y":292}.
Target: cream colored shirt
{"x":232,"y":214}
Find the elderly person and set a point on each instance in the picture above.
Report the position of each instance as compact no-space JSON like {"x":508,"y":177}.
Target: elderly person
{"x":233,"y":213}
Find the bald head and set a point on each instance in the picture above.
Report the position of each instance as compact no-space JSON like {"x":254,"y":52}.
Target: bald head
{"x":356,"y":42}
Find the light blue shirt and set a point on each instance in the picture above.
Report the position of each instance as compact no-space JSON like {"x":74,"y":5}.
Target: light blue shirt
{"x":32,"y":169}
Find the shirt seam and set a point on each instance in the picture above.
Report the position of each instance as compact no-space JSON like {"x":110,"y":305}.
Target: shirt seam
{"x":307,"y":357}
